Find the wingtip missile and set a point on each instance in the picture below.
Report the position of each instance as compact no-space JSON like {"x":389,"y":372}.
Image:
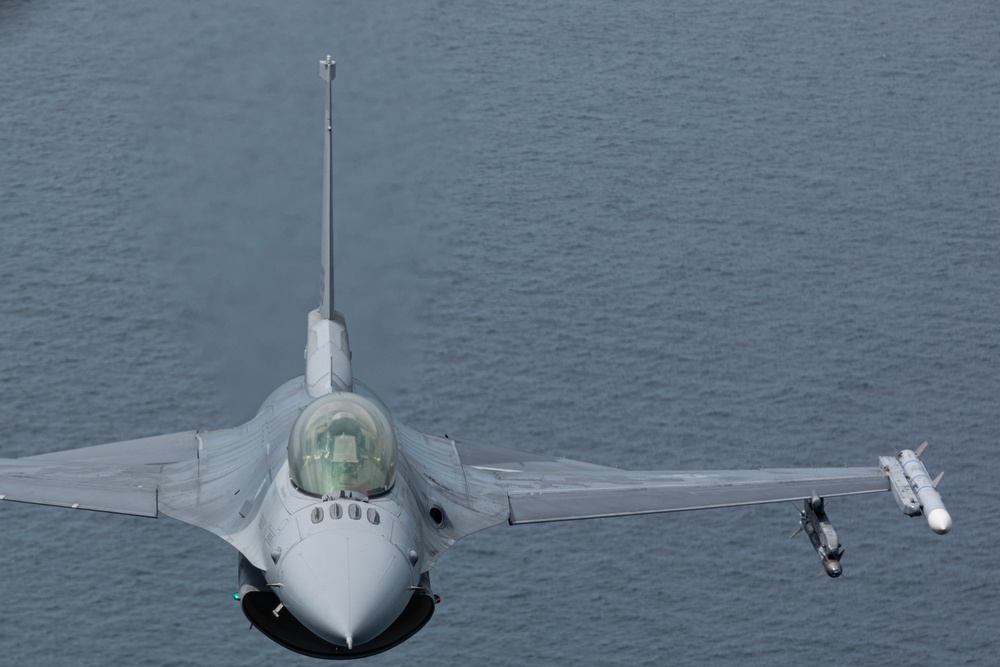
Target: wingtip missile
{"x":914,"y":490}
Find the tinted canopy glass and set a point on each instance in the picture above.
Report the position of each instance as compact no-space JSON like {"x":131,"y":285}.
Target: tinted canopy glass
{"x":342,"y":442}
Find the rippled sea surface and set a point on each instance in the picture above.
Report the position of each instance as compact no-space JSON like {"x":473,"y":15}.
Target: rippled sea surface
{"x":642,"y":234}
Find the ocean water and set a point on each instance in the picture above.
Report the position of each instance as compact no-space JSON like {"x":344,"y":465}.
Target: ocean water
{"x":643,"y":234}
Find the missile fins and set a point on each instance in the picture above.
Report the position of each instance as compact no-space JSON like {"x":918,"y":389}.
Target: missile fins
{"x":914,"y":490}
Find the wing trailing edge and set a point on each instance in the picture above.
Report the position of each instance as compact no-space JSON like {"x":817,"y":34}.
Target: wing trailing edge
{"x":76,"y":486}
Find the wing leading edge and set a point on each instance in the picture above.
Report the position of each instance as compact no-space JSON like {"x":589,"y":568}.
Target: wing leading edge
{"x":620,"y":493}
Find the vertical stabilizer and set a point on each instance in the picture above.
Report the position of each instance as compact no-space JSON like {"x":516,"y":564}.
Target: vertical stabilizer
{"x":328,"y":353}
{"x":327,"y":71}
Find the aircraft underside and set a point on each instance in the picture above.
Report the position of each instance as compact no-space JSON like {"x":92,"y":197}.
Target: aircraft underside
{"x":266,"y":613}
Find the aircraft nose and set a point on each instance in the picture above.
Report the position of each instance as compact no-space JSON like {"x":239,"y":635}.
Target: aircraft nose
{"x":346,"y":586}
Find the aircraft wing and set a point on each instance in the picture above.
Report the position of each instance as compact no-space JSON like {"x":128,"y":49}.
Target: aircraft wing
{"x":212,"y":480}
{"x":560,"y":497}
{"x":541,"y":490}
{"x":155,"y":451}
{"x":120,"y":477}
{"x":478,"y":485}
{"x":79,"y":486}
{"x":215,"y":480}
{"x":535,"y":488}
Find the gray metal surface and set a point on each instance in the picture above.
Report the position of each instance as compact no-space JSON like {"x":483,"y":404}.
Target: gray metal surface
{"x":102,"y":488}
{"x":620,"y":493}
{"x":223,"y":490}
{"x":156,"y":450}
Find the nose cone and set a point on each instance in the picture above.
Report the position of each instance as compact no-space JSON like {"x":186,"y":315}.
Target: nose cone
{"x":346,"y":586}
{"x":939,"y":520}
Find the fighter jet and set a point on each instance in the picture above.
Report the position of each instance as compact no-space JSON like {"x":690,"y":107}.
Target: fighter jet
{"x":339,"y":512}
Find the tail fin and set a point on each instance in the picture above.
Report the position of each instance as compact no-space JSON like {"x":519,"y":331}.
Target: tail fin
{"x":328,"y":352}
{"x":327,"y":71}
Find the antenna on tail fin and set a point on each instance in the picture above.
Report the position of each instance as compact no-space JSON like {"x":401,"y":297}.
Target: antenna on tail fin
{"x":327,"y":72}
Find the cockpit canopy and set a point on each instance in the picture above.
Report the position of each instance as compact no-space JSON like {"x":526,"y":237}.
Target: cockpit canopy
{"x":342,"y":442}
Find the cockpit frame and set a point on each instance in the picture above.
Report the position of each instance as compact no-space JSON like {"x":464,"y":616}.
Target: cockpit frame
{"x":342,"y":442}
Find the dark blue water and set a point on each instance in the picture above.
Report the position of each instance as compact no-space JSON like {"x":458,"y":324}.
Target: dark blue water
{"x":641,"y":234}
